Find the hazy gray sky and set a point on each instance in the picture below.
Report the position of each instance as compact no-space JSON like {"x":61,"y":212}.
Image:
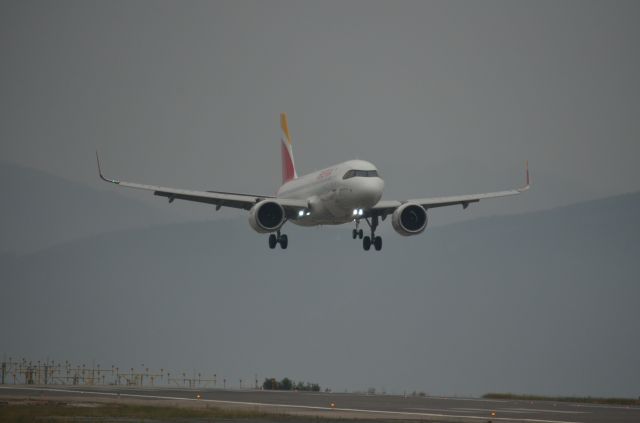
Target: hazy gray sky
{"x":444,"y":97}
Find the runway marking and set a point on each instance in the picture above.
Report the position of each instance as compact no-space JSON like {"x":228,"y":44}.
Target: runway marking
{"x":523,"y":410}
{"x":440,"y":409}
{"x":468,"y":399}
{"x":503,"y":410}
{"x":614,"y":407}
{"x":258,"y":404}
{"x":549,"y":411}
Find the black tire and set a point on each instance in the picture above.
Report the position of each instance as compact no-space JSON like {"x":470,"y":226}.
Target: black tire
{"x":272,"y":241}
{"x":377,"y":243}
{"x":284,"y":241}
{"x":360,"y":233}
{"x":366,"y":243}
{"x":354,"y":234}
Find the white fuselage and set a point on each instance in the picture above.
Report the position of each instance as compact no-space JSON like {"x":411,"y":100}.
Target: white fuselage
{"x":332,"y":198}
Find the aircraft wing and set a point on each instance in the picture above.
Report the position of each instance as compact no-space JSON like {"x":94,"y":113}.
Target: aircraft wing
{"x":217,"y":198}
{"x":386,"y":207}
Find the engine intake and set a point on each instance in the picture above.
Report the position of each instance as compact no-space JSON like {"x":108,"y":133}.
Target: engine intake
{"x":266,"y":216}
{"x":409,"y":219}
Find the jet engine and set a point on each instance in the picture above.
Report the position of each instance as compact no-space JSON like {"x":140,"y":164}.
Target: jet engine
{"x":409,"y":219}
{"x":266,"y":216}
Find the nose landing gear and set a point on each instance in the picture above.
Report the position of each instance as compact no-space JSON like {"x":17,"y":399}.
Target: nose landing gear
{"x":281,"y":239}
{"x":357,"y":233}
{"x":368,"y":241}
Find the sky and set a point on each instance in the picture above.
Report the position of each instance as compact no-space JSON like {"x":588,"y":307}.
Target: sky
{"x":445,"y":97}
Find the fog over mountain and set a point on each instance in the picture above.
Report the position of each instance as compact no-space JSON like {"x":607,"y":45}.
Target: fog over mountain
{"x":39,"y":210}
{"x":544,"y":302}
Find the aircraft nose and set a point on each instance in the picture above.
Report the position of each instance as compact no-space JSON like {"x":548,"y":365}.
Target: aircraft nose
{"x":372,"y":191}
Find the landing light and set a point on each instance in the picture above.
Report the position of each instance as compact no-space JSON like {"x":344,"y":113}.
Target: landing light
{"x":360,"y":212}
{"x":308,"y":213}
{"x":301,"y":213}
{"x":355,"y":212}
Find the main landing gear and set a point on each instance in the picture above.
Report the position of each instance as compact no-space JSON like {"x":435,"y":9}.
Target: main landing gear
{"x":368,"y":241}
{"x":281,"y":239}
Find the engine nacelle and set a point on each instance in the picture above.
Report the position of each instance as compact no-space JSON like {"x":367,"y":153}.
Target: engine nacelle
{"x":266,"y":216}
{"x":409,"y":219}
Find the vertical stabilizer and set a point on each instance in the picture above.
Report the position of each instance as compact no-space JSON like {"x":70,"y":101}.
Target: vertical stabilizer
{"x":288,"y":166}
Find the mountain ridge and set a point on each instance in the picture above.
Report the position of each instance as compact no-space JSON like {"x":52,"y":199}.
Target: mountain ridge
{"x":42,"y":210}
{"x":631,"y":200}
{"x":492,"y":301}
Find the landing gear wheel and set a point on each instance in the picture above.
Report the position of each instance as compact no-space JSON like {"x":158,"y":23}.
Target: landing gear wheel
{"x":272,"y":241}
{"x":377,"y":243}
{"x":374,"y":240}
{"x":284,"y":241}
{"x":354,"y":234}
{"x":366,"y":243}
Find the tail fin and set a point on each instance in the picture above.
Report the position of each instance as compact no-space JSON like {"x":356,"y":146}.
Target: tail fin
{"x":288,"y":167}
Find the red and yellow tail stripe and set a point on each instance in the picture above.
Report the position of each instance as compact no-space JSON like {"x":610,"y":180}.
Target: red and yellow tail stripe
{"x":288,"y":166}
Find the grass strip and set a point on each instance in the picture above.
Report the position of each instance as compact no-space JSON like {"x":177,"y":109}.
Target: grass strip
{"x":58,"y":412}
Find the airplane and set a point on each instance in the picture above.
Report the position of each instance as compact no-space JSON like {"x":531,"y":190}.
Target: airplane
{"x":347,"y":192}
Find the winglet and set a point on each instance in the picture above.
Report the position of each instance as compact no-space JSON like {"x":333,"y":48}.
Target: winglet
{"x":113,"y":181}
{"x":528,"y":182}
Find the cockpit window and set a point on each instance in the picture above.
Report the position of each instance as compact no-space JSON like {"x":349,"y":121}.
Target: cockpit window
{"x":364,"y":173}
{"x":349,"y":174}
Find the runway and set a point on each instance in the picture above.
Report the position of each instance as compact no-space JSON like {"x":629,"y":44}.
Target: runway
{"x":333,"y":405}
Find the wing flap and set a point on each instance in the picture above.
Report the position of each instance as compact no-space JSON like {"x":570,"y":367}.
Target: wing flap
{"x":218,"y":198}
{"x":212,"y":197}
{"x":461,"y":199}
{"x":386,"y":207}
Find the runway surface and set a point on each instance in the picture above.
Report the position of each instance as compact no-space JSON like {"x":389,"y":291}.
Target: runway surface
{"x":383,"y":407}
